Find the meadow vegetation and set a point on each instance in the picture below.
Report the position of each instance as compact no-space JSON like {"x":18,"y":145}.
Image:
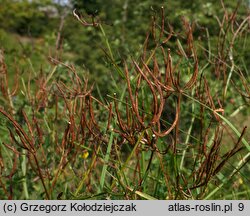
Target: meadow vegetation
{"x":149,"y":105}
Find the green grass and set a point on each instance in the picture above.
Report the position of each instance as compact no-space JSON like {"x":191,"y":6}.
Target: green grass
{"x":165,"y":133}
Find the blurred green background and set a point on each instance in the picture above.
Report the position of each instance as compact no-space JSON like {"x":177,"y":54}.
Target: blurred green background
{"x":29,"y":29}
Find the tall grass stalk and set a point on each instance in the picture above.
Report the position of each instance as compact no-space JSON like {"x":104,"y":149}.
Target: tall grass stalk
{"x":223,"y":118}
